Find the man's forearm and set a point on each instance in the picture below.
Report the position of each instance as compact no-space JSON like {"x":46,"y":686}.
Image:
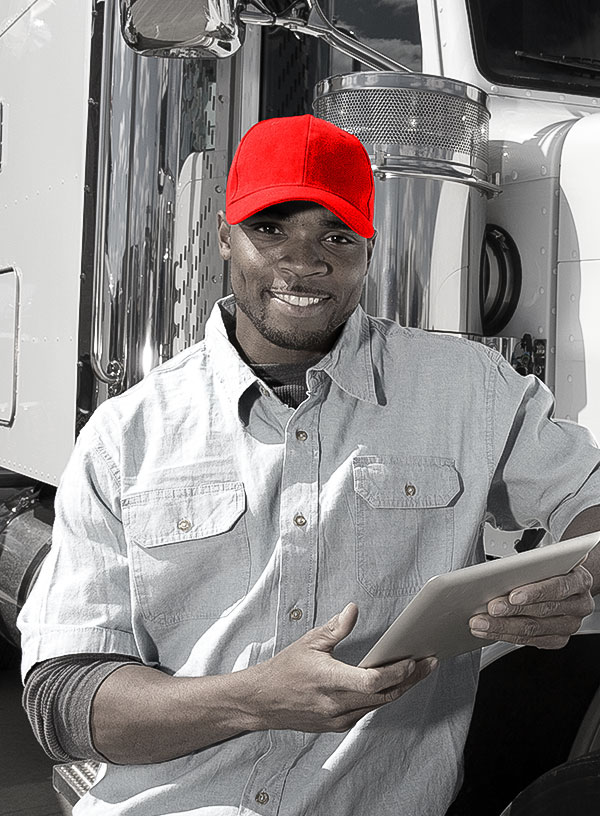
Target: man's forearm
{"x":141,"y":715}
{"x":588,"y":521}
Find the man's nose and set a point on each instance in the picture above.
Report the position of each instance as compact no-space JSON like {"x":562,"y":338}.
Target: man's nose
{"x":303,"y":259}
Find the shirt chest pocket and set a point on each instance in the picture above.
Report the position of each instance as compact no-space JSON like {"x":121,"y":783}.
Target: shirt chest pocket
{"x":404,"y":521}
{"x":190,"y":554}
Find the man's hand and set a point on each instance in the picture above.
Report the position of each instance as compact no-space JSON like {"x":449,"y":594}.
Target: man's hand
{"x":304,"y":688}
{"x":142,"y":715}
{"x":544,"y":614}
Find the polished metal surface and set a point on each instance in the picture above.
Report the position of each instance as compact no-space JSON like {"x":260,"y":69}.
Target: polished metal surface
{"x":10,"y":306}
{"x":199,"y":274}
{"x":307,"y":17}
{"x":74,"y":779}
{"x":410,"y":122}
{"x":133,"y":275}
{"x":427,"y":139}
{"x":106,"y":370}
{"x":428,"y":142}
{"x":163,"y":164}
{"x":425,"y":266}
{"x":24,"y":543}
{"x":181,"y":28}
{"x":205,"y":28}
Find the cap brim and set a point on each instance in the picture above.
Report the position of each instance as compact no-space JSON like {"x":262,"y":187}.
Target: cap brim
{"x":261,"y":199}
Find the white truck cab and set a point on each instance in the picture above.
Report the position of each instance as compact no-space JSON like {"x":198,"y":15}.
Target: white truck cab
{"x":118,"y":121}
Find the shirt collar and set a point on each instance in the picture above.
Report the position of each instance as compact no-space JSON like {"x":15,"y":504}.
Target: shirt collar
{"x":234,"y":374}
{"x":349,"y":363}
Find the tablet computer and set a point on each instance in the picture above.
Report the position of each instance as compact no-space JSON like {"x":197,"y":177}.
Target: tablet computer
{"x":436,"y":621}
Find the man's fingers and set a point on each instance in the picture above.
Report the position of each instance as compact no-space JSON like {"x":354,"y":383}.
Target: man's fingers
{"x":373,"y":681}
{"x":576,"y":605}
{"x":552,"y":633}
{"x":364,"y":702}
{"x":326,"y":637}
{"x":421,"y":670}
{"x":576,"y":582}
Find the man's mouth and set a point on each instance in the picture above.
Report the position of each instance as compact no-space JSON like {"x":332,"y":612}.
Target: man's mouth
{"x":299,"y":300}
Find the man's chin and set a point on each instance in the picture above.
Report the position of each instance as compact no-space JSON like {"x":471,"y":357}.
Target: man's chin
{"x":294,"y":341}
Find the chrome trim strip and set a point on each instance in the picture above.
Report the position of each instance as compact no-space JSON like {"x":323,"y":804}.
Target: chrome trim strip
{"x":111,"y":371}
{"x":367,"y":80}
{"x":18,"y":285}
{"x":385,"y":171}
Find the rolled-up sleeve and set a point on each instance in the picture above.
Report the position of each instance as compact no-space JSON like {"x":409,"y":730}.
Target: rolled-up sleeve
{"x":81,"y":599}
{"x":545,"y":470}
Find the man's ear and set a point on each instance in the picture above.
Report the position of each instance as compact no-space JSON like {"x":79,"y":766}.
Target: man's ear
{"x":224,"y":236}
{"x":371,"y":247}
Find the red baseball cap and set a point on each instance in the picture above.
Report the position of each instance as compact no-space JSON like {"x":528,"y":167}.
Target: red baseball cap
{"x":302,"y":158}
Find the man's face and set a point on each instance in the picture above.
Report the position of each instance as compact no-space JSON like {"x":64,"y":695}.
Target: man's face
{"x":297,"y":273}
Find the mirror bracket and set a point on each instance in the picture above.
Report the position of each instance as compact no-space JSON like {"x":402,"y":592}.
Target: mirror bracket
{"x":155,"y":28}
{"x":307,"y":17}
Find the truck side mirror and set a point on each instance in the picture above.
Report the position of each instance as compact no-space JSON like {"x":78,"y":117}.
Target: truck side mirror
{"x":181,"y":28}
{"x":215,"y":28}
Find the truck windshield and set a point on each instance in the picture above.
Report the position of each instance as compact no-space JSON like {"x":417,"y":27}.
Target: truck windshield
{"x":549,"y":44}
{"x":390,"y":26}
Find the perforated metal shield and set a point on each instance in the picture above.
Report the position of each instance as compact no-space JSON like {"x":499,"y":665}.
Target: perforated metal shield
{"x":409,"y":117}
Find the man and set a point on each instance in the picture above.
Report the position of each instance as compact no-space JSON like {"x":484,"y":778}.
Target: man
{"x":222,"y":524}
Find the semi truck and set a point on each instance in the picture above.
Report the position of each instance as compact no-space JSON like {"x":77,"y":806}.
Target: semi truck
{"x":118,"y":121}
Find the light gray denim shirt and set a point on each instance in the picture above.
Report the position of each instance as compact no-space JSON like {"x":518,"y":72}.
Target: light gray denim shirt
{"x":203,"y":526}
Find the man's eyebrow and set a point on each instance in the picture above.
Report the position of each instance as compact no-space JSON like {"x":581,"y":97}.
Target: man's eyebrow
{"x":335,"y":223}
{"x":275,"y":211}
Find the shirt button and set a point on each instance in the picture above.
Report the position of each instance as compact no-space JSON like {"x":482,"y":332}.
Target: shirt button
{"x":262,"y":797}
{"x":410,"y":489}
{"x":296,"y":614}
{"x":301,"y":436}
{"x":299,"y":520}
{"x":184,"y":525}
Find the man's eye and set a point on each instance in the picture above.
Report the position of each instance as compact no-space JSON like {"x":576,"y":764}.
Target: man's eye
{"x":339,"y":239}
{"x":268,"y":229}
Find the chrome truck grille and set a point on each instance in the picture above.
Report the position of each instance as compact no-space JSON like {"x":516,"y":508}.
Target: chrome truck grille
{"x":428,"y":142}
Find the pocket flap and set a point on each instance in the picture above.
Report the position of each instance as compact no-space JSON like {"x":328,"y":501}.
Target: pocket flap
{"x":170,"y":515}
{"x":409,"y":482}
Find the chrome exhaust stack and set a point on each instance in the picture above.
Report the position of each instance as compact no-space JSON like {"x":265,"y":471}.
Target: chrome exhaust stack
{"x":428,"y":142}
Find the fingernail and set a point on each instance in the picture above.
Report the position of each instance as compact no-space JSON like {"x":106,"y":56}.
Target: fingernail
{"x":480,"y":624}
{"x":518,"y":598}
{"x":499,"y":608}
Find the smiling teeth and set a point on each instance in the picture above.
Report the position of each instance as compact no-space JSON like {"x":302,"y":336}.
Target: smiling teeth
{"x":299,"y":300}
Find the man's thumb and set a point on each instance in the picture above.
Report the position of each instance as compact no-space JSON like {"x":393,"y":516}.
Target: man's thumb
{"x":336,"y":628}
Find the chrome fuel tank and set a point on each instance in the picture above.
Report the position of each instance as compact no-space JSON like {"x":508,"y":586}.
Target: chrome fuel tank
{"x":427,"y":138}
